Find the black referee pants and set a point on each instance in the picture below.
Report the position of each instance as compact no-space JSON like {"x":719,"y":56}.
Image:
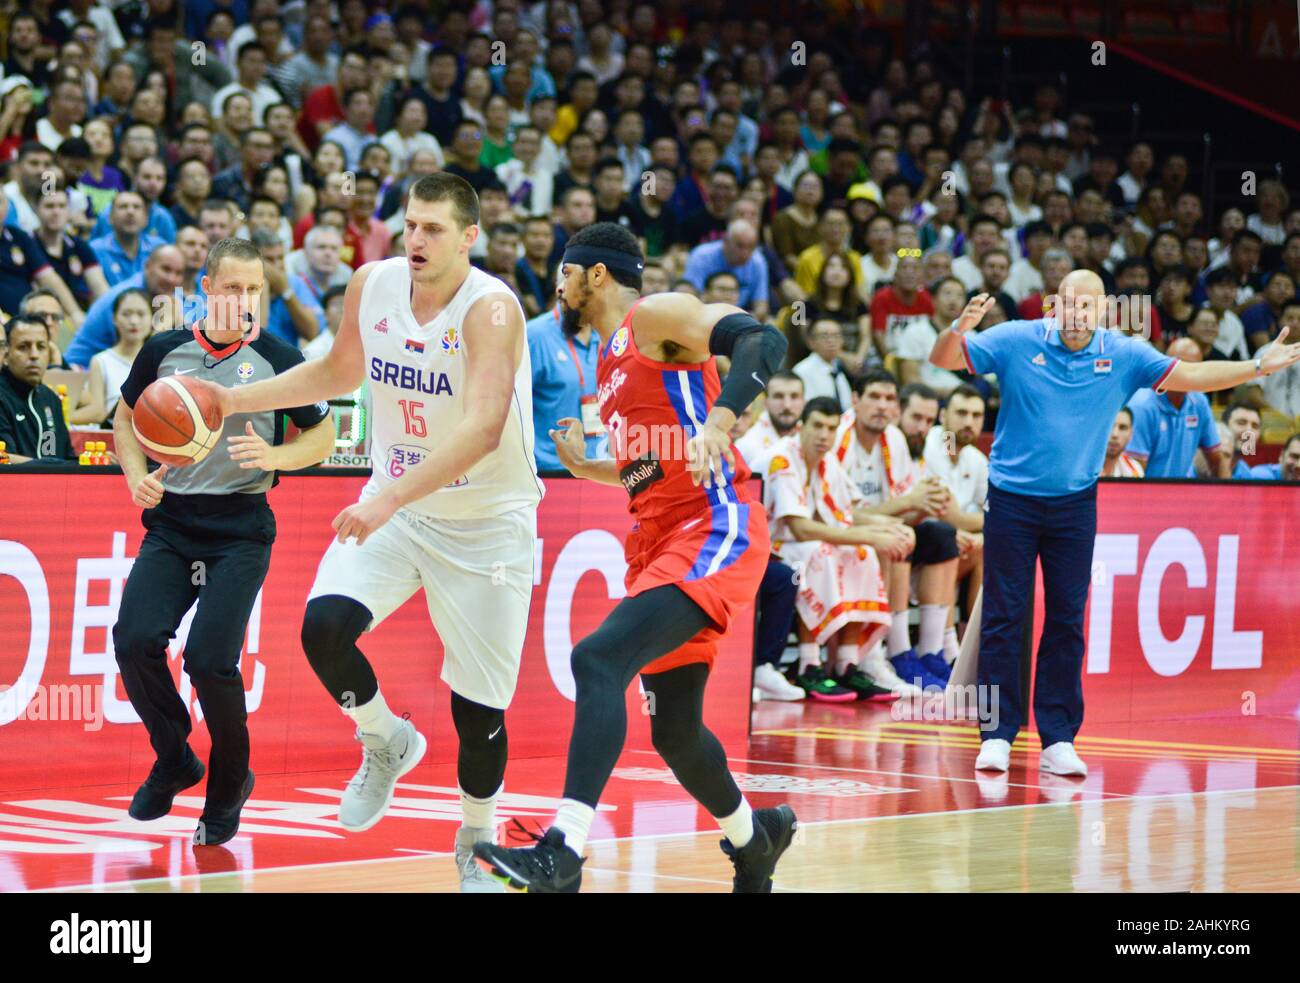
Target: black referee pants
{"x":220,"y":559}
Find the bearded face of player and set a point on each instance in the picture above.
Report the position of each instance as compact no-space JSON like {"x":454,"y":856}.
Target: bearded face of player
{"x":574,"y":292}
{"x":435,"y":241}
{"x":784,"y":404}
{"x":964,"y":418}
{"x":917,"y":420}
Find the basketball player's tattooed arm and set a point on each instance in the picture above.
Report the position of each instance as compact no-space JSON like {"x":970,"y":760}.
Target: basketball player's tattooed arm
{"x":494,"y":343}
{"x":338,"y":373}
{"x":686,"y":330}
{"x":571,"y":449}
{"x":947,"y":353}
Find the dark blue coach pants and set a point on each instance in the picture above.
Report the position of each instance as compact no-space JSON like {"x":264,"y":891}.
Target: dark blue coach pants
{"x":776,"y":600}
{"x":1019,"y":529}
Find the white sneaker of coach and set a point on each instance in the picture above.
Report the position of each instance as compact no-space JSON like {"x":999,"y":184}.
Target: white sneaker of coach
{"x":995,"y":755}
{"x":771,"y":685}
{"x":1061,"y":759}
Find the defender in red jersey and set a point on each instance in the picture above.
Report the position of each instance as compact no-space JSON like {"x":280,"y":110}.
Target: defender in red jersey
{"x":696,"y":553}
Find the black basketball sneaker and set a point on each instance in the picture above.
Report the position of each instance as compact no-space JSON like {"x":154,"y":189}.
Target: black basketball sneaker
{"x":755,"y":862}
{"x":549,"y":866}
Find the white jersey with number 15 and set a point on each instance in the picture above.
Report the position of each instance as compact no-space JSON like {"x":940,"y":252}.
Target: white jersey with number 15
{"x":416,"y":374}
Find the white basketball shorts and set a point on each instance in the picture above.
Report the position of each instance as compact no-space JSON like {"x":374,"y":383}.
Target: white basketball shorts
{"x":477,"y":576}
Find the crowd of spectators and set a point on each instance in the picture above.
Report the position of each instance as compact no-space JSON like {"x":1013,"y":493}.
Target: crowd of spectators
{"x":852,"y":197}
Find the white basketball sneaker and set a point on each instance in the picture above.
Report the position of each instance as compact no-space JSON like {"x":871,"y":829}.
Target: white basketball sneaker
{"x":771,"y":685}
{"x":875,"y":665}
{"x":1061,"y":759}
{"x":995,"y":755}
{"x":473,"y":878}
{"x":367,"y":796}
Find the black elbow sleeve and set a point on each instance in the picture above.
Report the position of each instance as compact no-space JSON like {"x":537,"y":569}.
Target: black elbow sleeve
{"x":756,"y":352}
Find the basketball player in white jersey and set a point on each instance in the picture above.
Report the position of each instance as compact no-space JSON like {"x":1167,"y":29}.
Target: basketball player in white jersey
{"x":451,"y":505}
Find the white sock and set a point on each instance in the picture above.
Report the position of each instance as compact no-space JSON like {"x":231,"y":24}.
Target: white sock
{"x":951,"y":647}
{"x":478,"y":813}
{"x":848,"y":656}
{"x":810,"y":654}
{"x":899,"y":641}
{"x":374,"y":717}
{"x":933,"y":619}
{"x":739,"y":826}
{"x":573,"y":819}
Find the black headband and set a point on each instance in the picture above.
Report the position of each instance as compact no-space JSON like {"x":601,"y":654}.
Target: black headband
{"x":614,"y":259}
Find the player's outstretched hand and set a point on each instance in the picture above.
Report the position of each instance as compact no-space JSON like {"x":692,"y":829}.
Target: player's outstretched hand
{"x":978,"y":306}
{"x":705,"y":453}
{"x":1279,"y":354}
{"x":148,"y":491}
{"x":250,"y":450}
{"x":570,"y":443}
{"x":219,"y":394}
{"x":360,"y":520}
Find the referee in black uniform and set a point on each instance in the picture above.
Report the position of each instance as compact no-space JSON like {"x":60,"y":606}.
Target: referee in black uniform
{"x":209,"y":539}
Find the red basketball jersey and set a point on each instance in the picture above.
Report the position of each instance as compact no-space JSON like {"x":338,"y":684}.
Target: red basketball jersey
{"x":651,"y":410}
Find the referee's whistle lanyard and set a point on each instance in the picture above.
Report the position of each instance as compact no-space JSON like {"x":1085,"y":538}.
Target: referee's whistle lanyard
{"x":224,"y":352}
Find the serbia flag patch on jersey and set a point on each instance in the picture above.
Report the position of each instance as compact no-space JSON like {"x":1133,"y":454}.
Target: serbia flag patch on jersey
{"x":414,"y":347}
{"x":1101,"y":365}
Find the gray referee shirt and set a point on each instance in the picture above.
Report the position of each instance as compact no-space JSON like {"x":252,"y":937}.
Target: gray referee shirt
{"x":188,"y":351}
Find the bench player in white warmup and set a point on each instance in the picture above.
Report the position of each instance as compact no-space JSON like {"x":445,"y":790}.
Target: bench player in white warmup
{"x":451,"y":505}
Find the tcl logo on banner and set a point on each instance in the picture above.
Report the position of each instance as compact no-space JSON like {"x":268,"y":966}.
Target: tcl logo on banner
{"x":66,"y":547}
{"x":1193,"y":609}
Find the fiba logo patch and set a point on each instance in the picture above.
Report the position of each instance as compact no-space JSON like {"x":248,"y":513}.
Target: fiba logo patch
{"x":451,"y":341}
{"x":618,"y":344}
{"x":244,"y":371}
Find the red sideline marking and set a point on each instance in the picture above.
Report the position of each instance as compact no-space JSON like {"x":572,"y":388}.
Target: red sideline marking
{"x":1209,"y":87}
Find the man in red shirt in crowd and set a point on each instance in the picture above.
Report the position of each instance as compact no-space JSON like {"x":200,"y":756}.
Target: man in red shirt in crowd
{"x":323,"y":107}
{"x":896,"y":306}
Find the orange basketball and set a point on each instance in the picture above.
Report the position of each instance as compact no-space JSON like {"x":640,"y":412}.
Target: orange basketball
{"x":176,"y":422}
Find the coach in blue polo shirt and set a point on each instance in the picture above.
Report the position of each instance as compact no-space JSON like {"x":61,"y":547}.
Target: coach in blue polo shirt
{"x":1062,"y":383}
{"x":1168,"y":428}
{"x":564,"y":358}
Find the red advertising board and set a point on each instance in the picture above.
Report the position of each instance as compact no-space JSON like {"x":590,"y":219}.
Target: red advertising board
{"x":66,"y":546}
{"x":1194,"y":611}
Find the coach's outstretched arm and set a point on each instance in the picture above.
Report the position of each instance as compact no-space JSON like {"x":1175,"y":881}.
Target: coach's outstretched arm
{"x":947,"y":353}
{"x":699,"y":330}
{"x":494,"y":347}
{"x":1208,"y":377}
{"x":339,"y":373}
